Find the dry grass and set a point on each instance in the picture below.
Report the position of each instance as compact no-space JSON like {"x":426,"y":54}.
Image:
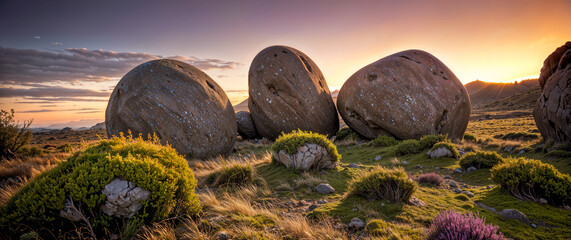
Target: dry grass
{"x":203,"y":168}
{"x":346,"y":142}
{"x":239,"y":201}
{"x":468,"y":146}
{"x":299,"y":227}
{"x":29,"y":167}
{"x":7,"y":191}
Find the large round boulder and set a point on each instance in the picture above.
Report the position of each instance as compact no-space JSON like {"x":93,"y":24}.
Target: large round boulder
{"x":246,"y":127}
{"x":288,"y":92}
{"x":552,"y":112}
{"x":176,"y":101}
{"x":405,"y":95}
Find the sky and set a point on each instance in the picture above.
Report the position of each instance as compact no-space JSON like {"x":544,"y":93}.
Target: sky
{"x":60,"y":60}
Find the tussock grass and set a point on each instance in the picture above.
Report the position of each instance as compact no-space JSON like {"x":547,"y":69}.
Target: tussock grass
{"x":29,"y":167}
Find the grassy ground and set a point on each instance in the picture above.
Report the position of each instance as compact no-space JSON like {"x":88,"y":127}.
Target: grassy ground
{"x":275,"y":204}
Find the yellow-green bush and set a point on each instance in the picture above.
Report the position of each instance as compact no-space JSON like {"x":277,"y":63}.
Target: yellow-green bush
{"x":480,"y":159}
{"x":377,"y":227}
{"x":147,"y":164}
{"x":384,"y":141}
{"x":231,"y":176}
{"x":290,"y":142}
{"x":409,"y":146}
{"x":347,"y":133}
{"x":531,"y":179}
{"x":469,"y":138}
{"x":384,"y":184}
{"x":447,"y":145}
{"x":428,"y":141}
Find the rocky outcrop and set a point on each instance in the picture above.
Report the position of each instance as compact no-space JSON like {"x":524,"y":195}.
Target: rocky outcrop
{"x":288,"y":92}
{"x":178,"y":102}
{"x":246,"y":127}
{"x":324,"y":188}
{"x":123,"y":198}
{"x":552,"y":112}
{"x":307,"y":156}
{"x":406,"y":95}
{"x":440,"y":152}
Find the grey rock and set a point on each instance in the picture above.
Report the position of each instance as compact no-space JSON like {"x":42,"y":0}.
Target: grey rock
{"x":307,"y":156}
{"x":353,"y":165}
{"x":123,"y":198}
{"x":542,"y":201}
{"x":404,"y":162}
{"x":457,"y":190}
{"x":302,"y":203}
{"x":313,"y":206}
{"x":453,"y":184}
{"x":484,"y":206}
{"x":514,"y":214}
{"x":521,"y":152}
{"x":533,"y":225}
{"x":378,"y":157}
{"x":468,"y":193}
{"x":418,"y":166}
{"x":356,"y":223}
{"x":458,"y":170}
{"x":322,"y":201}
{"x":489,"y":187}
{"x":416,"y":202}
{"x":447,"y":177}
{"x":470,"y":169}
{"x":245,"y":124}
{"x":324,"y":188}
{"x":439,"y":152}
{"x":223,"y":235}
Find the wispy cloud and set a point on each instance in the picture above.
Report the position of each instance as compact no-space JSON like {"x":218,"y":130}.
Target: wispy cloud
{"x":57,"y":43}
{"x":51,"y":92}
{"x":82,"y":110}
{"x":36,"y":37}
{"x":29,"y":66}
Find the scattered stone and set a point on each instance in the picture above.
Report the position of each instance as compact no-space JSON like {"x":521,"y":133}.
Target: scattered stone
{"x":457,"y":190}
{"x":439,"y":152}
{"x":468,"y":193}
{"x":322,"y":201}
{"x":302,"y":203}
{"x":245,"y":124}
{"x":453,"y":184}
{"x":353,"y":165}
{"x":378,"y":157}
{"x":313,"y":206}
{"x":416,"y":202}
{"x":223,"y":235}
{"x":533,"y":225}
{"x":123,"y":198}
{"x":324,"y":188}
{"x":307,"y":156}
{"x":447,"y":177}
{"x":489,"y":187}
{"x":178,"y":102}
{"x":521,"y":152}
{"x":552,"y":113}
{"x":542,"y":201}
{"x":458,"y":170}
{"x":461,"y":152}
{"x":514,"y":214}
{"x":508,"y":148}
{"x":470,"y":169}
{"x":418,"y":166}
{"x":288,"y":92}
{"x":484,"y":206}
{"x":567,"y":207}
{"x":357,"y":223}
{"x":404,"y":162}
{"x":70,"y":212}
{"x":406,"y":95}
{"x":436,"y":168}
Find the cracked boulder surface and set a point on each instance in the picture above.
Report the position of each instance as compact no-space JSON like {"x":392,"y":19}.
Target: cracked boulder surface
{"x":308,"y":156}
{"x":406,"y":95}
{"x":178,"y":102}
{"x":287,"y":91}
{"x":552,"y":113}
{"x":123,"y":198}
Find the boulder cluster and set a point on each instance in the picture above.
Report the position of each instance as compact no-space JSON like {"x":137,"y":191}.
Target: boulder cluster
{"x":552,"y":112}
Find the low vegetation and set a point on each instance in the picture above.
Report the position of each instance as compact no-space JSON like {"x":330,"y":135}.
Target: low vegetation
{"x":12,"y":135}
{"x":430,"y":178}
{"x":448,"y":145}
{"x":384,"y":184}
{"x":480,"y":160}
{"x":383,"y":141}
{"x":290,"y":142}
{"x":531,"y":180}
{"x":451,"y":225}
{"x":410,"y":146}
{"x":232,"y":175}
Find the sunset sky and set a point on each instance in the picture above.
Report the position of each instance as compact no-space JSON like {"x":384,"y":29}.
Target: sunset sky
{"x":59,"y":60}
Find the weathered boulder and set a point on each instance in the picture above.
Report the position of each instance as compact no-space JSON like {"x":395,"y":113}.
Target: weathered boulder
{"x":552,"y":112}
{"x":288,"y":92}
{"x":307,"y":156}
{"x":514,"y":214}
{"x":356,"y":223}
{"x":405,"y":95}
{"x":440,"y":152}
{"x":123,"y":198}
{"x":246,"y":127}
{"x":178,"y":102}
{"x":324,"y":188}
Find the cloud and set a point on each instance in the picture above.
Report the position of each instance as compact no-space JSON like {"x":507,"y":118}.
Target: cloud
{"x":57,"y":43}
{"x":28,"y":66}
{"x":30,"y":100}
{"x":89,"y":110}
{"x":36,"y":37}
{"x":51,"y":92}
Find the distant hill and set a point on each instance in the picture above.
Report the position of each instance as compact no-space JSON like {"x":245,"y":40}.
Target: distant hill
{"x":482,"y":93}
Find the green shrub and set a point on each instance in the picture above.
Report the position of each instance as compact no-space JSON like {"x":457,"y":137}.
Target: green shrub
{"x":384,"y":184}
{"x":290,"y":142}
{"x":522,"y":136}
{"x":548,"y":145}
{"x":66,"y":147}
{"x":377,"y":228}
{"x":32,"y":151}
{"x":231,"y":176}
{"x":347,"y":133}
{"x":83,"y":176}
{"x":559,"y":154}
{"x":480,"y":159}
{"x":469,"y":138}
{"x":462,"y":197}
{"x":532,"y":179}
{"x":383,"y":141}
{"x":447,"y":145}
{"x":12,"y":135}
{"x":409,"y":146}
{"x":428,"y":141}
